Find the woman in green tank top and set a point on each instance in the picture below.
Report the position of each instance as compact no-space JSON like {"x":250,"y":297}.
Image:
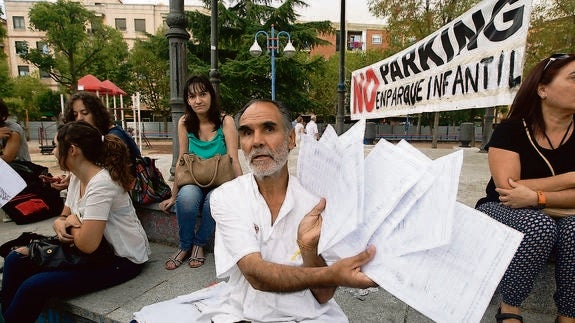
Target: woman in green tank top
{"x":204,"y":132}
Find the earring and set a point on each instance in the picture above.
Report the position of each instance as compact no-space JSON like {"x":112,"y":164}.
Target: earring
{"x":543,"y":97}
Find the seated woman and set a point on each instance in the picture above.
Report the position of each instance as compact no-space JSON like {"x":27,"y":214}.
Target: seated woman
{"x":204,"y":132}
{"x":97,"y":208}
{"x":87,"y":107}
{"x":532,"y":169}
{"x":13,"y":145}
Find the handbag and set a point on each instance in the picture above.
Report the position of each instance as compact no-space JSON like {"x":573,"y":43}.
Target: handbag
{"x":50,"y":253}
{"x":550,"y":211}
{"x":149,"y":186}
{"x":37,"y":201}
{"x":205,"y":173}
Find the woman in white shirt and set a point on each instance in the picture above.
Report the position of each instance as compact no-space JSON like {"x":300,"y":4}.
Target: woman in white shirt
{"x":98,"y":209}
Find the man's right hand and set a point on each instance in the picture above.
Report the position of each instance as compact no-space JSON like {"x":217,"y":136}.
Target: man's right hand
{"x":347,"y":271}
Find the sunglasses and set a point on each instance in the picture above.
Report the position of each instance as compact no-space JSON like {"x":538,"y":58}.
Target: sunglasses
{"x":553,"y":58}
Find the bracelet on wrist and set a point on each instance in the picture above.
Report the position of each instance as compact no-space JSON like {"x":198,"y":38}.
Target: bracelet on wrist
{"x":541,"y":200}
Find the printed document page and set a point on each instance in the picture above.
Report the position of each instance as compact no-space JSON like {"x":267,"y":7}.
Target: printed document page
{"x":389,"y":175}
{"x":430,"y":220}
{"x":10,"y":183}
{"x":454,"y":282}
{"x":333,"y":169}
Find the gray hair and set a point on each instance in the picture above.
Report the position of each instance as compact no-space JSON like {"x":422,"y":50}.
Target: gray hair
{"x":284,"y":111}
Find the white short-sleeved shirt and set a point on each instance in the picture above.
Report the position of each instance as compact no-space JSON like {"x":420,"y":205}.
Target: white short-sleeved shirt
{"x":243,"y":226}
{"x":299,"y":131}
{"x":105,"y":200}
{"x":311,"y":129}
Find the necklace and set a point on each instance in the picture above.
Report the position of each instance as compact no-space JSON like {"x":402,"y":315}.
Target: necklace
{"x":562,"y":139}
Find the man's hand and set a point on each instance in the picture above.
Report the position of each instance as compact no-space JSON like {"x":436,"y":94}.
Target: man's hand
{"x":347,"y":271}
{"x":309,"y":229}
{"x":519,"y":196}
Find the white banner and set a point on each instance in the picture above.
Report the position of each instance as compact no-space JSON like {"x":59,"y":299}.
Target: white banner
{"x":473,"y":62}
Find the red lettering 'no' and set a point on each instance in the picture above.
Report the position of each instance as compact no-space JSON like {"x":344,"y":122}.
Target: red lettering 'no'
{"x":364,"y":99}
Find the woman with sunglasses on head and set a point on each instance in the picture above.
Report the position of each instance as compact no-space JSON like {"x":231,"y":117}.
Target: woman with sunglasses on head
{"x":530,"y":156}
{"x":97,"y":210}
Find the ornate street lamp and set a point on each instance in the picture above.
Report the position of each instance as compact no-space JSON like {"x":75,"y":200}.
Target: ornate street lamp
{"x":272,"y":45}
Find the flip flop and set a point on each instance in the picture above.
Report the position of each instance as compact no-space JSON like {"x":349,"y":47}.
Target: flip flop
{"x":194,"y":258}
{"x":175,"y":261}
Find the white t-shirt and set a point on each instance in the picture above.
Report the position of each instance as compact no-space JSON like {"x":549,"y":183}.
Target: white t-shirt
{"x":105,"y":200}
{"x":311,"y":129}
{"x":299,"y":130}
{"x":243,"y":226}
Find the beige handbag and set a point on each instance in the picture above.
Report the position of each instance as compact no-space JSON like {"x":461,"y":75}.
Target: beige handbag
{"x":551,"y":211}
{"x":205,"y":173}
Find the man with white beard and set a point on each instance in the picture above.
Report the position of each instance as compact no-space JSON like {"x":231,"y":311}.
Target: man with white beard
{"x":267,"y":230}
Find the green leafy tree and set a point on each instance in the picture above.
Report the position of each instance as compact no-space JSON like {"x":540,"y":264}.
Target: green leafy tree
{"x":27,"y":90}
{"x":3,"y":35}
{"x":77,"y":42}
{"x":48,"y":102}
{"x":5,"y":82}
{"x":5,"y":79}
{"x":149,"y":66}
{"x":547,"y":18}
{"x":244,"y":77}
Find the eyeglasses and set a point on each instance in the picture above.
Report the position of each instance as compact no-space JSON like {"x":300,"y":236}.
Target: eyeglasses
{"x":553,"y":58}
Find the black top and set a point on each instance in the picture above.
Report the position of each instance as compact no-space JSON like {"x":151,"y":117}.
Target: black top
{"x":511,"y":136}
{"x":129,"y":141}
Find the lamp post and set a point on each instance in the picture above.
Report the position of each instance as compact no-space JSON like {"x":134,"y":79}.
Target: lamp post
{"x":272,"y":45}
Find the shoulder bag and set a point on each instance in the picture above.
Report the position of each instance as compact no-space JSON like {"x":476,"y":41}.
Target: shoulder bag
{"x":51,"y":254}
{"x":149,"y":186}
{"x":552,"y":212}
{"x":205,"y":173}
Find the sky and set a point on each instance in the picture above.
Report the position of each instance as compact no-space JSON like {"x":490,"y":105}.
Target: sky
{"x":356,"y":10}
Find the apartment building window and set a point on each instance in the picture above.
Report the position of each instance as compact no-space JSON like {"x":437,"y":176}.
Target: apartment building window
{"x":21,"y":47}
{"x":140,"y":25}
{"x":121,"y":24}
{"x":376,"y":39}
{"x":44,"y":74}
{"x":43,"y":47}
{"x":23,"y":70}
{"x":18,"y":22}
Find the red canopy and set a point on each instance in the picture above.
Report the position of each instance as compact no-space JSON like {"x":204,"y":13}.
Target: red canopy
{"x":91,"y":83}
{"x":113,"y":88}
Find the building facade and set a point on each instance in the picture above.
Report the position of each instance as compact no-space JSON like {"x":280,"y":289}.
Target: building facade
{"x":133,"y":20}
{"x":359,"y":37}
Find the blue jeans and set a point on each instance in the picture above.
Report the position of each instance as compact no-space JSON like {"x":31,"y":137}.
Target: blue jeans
{"x":26,"y":288}
{"x":190,"y":201}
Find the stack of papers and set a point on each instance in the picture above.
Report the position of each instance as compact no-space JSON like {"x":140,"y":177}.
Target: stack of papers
{"x":10,"y":183}
{"x":437,"y":255}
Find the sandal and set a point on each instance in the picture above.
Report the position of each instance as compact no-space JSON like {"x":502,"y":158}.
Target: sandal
{"x":199,"y":261}
{"x":500,"y":317}
{"x":176,"y":261}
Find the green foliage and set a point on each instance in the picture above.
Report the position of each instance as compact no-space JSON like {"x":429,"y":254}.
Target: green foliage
{"x":32,"y":94}
{"x":78,"y":43}
{"x":547,"y":19}
{"x":244,"y":77}
{"x":16,"y":108}
{"x":149,"y":72}
{"x":5,"y":79}
{"x":48,"y":102}
{"x":3,"y":35}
